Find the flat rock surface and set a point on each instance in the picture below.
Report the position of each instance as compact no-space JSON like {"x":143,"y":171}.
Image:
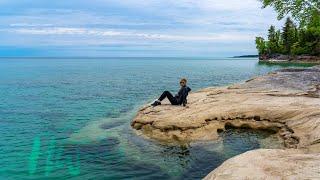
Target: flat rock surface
{"x":286,"y":102}
{"x":269,"y":164}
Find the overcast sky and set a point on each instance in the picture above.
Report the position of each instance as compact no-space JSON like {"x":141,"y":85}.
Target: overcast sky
{"x":208,"y":28}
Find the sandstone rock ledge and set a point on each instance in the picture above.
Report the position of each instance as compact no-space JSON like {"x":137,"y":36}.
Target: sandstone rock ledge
{"x":269,"y":164}
{"x":286,"y":102}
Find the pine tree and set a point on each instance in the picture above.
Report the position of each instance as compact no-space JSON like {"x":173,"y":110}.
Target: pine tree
{"x":278,"y":40}
{"x":272,"y":41}
{"x":288,"y":36}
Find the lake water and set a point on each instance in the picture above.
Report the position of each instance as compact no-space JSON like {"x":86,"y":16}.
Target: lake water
{"x":70,"y":118}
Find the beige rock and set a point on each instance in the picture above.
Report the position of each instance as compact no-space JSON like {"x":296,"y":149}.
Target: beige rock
{"x":269,"y":164}
{"x":286,"y":102}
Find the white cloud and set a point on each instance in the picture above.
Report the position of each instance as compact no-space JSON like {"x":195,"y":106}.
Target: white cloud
{"x":65,"y":31}
{"x":221,"y":5}
{"x":223,"y":36}
{"x":29,"y":25}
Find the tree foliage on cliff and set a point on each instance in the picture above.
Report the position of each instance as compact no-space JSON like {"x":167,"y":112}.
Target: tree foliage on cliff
{"x":293,"y":39}
{"x":300,"y":10}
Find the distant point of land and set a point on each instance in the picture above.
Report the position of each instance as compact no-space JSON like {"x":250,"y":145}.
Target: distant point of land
{"x":246,"y":56}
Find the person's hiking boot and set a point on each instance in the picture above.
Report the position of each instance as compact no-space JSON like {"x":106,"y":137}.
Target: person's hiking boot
{"x":156,"y":103}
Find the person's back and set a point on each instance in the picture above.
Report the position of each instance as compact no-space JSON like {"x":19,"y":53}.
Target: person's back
{"x":179,"y":99}
{"x":182,"y":95}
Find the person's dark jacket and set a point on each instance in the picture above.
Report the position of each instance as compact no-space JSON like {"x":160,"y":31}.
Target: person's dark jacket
{"x":182,"y":95}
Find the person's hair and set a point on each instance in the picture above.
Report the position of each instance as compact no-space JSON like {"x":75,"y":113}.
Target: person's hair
{"x":184,"y":80}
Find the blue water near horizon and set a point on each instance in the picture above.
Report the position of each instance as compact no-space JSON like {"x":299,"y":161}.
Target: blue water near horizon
{"x":70,"y":118}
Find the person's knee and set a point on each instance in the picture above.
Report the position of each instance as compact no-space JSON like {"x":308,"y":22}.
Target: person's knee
{"x":166,"y":92}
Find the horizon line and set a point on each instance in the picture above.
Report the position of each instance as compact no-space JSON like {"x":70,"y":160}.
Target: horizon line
{"x":101,"y":57}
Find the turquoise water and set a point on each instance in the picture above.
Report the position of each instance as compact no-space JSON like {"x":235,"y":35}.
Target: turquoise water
{"x":69,"y":118}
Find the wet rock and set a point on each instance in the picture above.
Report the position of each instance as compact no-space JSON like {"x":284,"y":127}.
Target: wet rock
{"x":281,"y":57}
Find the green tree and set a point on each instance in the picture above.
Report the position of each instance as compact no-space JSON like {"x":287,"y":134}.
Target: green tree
{"x":293,"y":40}
{"x":261,"y":46}
{"x":274,"y":41}
{"x":278,"y":39}
{"x":289,"y":36}
{"x":300,"y":10}
{"x":312,"y":35}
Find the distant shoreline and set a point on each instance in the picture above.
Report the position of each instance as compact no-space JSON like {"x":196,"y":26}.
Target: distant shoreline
{"x":246,"y":56}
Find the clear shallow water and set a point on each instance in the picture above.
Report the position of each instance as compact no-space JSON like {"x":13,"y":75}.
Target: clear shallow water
{"x":69,"y":118}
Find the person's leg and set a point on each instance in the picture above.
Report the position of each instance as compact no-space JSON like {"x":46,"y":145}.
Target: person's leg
{"x":164,"y":95}
{"x":167,"y":94}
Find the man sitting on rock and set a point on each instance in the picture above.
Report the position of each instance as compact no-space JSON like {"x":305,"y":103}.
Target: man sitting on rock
{"x":178,"y":99}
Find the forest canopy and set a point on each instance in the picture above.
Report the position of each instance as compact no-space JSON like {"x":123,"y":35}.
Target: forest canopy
{"x":300,"y":35}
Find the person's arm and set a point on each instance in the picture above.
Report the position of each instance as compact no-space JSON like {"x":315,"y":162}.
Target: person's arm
{"x":185,"y":95}
{"x":184,"y":102}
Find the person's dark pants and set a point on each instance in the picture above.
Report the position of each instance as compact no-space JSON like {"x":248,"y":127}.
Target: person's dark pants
{"x":167,"y":94}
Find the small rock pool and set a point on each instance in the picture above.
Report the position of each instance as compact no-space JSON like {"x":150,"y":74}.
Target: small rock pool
{"x":125,"y":155}
{"x":152,"y":160}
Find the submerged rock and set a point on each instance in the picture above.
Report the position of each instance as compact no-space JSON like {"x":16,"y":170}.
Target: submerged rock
{"x":285,"y":102}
